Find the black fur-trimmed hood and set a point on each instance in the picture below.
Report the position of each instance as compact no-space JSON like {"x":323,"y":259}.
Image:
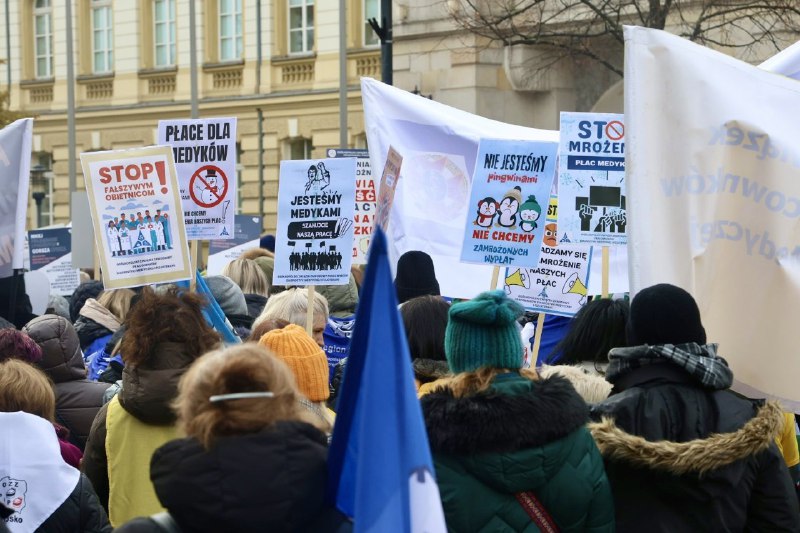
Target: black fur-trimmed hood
{"x":514,"y":414}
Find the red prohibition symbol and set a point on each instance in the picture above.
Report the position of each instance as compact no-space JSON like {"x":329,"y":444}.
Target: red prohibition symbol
{"x":615,"y":130}
{"x":208,"y":186}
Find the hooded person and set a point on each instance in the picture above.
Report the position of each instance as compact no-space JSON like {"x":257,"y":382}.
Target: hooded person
{"x":40,"y":489}
{"x":415,"y":276}
{"x":77,"y":398}
{"x":232,"y":302}
{"x":682,"y":451}
{"x":84,"y":291}
{"x":166,"y":333}
{"x":308,"y":364}
{"x":253,"y":458}
{"x":511,"y":450}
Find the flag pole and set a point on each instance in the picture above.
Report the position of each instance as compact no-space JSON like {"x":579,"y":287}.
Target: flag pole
{"x":605,"y":271}
{"x":195,"y":258}
{"x":495,"y":276}
{"x":537,"y":339}
{"x":310,"y":310}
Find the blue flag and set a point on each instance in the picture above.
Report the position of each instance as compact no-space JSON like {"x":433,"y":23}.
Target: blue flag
{"x":379,"y":464}
{"x":214,"y":315}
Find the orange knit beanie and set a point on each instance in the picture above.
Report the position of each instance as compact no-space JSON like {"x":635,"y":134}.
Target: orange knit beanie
{"x":306,"y":359}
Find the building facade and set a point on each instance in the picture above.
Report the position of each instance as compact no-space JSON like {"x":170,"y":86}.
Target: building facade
{"x":273,"y":65}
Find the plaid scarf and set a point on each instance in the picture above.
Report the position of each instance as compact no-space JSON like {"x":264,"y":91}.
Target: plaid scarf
{"x":701,"y":362}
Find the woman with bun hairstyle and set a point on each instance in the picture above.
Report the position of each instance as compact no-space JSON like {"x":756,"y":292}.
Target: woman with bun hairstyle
{"x":511,"y":450}
{"x":254,"y":459}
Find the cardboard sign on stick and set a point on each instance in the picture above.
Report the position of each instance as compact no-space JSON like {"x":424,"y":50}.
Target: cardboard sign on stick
{"x":137,"y":218}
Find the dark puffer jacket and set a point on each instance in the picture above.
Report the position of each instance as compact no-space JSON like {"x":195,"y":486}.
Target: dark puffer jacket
{"x":81,"y":511}
{"x":682,"y":456}
{"x":273,"y":480}
{"x":146,"y":393}
{"x":518,"y":436}
{"x":77,"y":398}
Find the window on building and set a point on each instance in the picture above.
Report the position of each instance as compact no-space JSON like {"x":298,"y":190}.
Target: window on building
{"x":372,"y":9}
{"x":230,"y":30}
{"x":300,"y":148}
{"x":301,"y":26}
{"x":43,"y":38}
{"x":102,"y":37}
{"x":164,"y":32}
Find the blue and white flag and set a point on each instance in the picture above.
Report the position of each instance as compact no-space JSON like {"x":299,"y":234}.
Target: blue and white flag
{"x":213,"y":313}
{"x":15,"y":163}
{"x":380,"y":467}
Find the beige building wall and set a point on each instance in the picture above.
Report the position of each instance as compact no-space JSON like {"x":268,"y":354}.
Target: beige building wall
{"x":296,"y":93}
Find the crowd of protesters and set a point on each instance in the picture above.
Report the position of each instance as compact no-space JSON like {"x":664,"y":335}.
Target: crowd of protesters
{"x":123,"y":409}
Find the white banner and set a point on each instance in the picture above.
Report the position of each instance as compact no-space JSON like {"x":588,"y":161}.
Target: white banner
{"x":439,"y":145}
{"x":15,"y":163}
{"x":205,"y":159}
{"x":714,"y":180}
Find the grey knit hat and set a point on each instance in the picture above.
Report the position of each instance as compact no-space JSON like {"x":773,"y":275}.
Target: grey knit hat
{"x":228,"y":295}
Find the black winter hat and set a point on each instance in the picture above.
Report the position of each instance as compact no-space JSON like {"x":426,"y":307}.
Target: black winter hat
{"x":90,"y":289}
{"x":664,"y":314}
{"x":415,"y":276}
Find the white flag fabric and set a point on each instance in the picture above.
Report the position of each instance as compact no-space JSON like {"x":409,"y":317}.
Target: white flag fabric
{"x":439,"y":145}
{"x":15,"y":164}
{"x":714,"y":185}
{"x":786,"y":62}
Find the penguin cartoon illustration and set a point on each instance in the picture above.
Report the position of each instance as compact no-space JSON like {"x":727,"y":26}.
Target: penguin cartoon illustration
{"x":509,"y":206}
{"x":487,"y":209}
{"x":529,"y":213}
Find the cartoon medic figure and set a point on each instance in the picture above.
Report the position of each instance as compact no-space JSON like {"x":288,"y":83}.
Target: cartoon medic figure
{"x":210,"y":193}
{"x":509,"y":206}
{"x":487,"y":210}
{"x":529,"y":213}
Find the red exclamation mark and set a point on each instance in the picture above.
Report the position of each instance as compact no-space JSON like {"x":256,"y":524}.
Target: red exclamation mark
{"x":162,"y":176}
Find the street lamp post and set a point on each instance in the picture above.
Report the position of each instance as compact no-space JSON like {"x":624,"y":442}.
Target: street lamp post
{"x":39,"y":177}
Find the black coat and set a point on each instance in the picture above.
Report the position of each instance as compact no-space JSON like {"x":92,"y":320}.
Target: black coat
{"x":735,"y":480}
{"x":81,"y":511}
{"x":274,"y":480}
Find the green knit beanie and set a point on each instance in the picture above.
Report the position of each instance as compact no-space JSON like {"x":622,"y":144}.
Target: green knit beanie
{"x":483,"y":332}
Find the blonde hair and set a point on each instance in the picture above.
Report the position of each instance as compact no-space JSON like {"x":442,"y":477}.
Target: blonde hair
{"x":292,"y":305}
{"x":23,"y":387}
{"x":243,"y":368}
{"x":248,"y":276}
{"x":117,"y":301}
{"x":469,"y":383}
{"x":255,"y":253}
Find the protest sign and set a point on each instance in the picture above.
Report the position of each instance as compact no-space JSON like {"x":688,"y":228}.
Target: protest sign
{"x":15,"y":162}
{"x":136,"y":214}
{"x":205,"y":159}
{"x":509,"y":195}
{"x":388,"y":185}
{"x":365,"y":202}
{"x":558,"y":284}
{"x":715,"y":198}
{"x":439,"y":144}
{"x":316,"y":206}
{"x":591,"y":179}
{"x":51,"y":253}
{"x":246,"y":235}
